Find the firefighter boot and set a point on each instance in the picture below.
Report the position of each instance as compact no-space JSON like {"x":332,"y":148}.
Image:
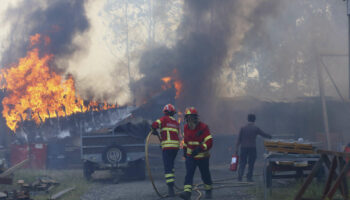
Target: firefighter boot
{"x":208,"y":194}
{"x":185,"y":195}
{"x":171,"y":191}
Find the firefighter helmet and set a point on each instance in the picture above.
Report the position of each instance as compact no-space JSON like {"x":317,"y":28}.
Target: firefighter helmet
{"x":169,"y":108}
{"x":191,"y":111}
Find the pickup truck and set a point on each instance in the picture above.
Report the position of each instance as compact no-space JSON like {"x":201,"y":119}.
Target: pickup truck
{"x":119,"y":148}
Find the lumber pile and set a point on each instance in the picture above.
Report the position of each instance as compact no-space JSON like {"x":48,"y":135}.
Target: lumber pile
{"x":289,"y":146}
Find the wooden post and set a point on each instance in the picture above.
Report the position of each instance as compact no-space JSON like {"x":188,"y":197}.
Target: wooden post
{"x":338,"y":181}
{"x":344,"y":184}
{"x":331,"y":176}
{"x":309,"y":179}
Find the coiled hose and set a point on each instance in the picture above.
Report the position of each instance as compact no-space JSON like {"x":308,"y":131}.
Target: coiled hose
{"x":221,"y":183}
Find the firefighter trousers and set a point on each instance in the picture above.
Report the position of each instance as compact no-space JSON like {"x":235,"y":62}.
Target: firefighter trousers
{"x":169,"y":156}
{"x":203,"y":165}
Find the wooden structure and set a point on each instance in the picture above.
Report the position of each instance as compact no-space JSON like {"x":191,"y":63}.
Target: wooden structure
{"x":283,"y":166}
{"x":289,"y":147}
{"x":335,"y":181}
{"x":288,"y":159}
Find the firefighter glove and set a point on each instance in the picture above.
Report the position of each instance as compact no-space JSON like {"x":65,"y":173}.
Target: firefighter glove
{"x":154,"y":131}
{"x":196,"y":151}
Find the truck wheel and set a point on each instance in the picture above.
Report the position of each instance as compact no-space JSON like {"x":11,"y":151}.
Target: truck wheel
{"x":88,"y":170}
{"x":113,"y":154}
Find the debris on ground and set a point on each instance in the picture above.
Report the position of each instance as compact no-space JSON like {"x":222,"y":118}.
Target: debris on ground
{"x":42,"y":185}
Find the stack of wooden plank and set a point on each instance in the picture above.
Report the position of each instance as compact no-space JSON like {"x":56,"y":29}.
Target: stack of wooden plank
{"x":289,"y":146}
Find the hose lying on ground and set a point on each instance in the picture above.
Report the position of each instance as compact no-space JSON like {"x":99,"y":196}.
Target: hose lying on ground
{"x":149,"y":169}
{"x":197,"y":188}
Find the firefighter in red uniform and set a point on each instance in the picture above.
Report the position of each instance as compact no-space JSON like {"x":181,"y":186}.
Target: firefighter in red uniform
{"x":197,"y":143}
{"x":169,"y":138}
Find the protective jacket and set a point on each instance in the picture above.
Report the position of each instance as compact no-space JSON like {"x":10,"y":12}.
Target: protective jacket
{"x":169,"y":132}
{"x":199,"y":137}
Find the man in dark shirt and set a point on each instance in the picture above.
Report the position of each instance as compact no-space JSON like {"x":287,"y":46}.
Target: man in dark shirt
{"x":247,"y":143}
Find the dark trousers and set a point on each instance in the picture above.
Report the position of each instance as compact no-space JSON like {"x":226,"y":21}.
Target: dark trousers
{"x":169,"y":156}
{"x":247,"y":154}
{"x":203,"y":165}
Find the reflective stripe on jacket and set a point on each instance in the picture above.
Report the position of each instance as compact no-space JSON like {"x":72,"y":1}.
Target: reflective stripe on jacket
{"x":169,"y":130}
{"x":193,"y":140}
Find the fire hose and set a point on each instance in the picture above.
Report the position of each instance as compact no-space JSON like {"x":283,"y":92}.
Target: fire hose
{"x":221,"y":183}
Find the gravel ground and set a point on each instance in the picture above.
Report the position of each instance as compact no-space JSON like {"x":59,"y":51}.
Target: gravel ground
{"x":103,"y":189}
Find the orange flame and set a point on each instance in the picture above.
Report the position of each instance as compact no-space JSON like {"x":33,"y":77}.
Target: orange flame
{"x":169,"y":81}
{"x":34,"y":91}
{"x":35,"y":39}
{"x":178,"y":87}
{"x":166,"y":79}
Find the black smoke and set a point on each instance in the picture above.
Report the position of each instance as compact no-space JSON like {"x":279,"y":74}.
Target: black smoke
{"x":209,"y":33}
{"x":60,"y":20}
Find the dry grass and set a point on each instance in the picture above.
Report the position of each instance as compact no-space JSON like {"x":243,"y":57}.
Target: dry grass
{"x":66,"y":178}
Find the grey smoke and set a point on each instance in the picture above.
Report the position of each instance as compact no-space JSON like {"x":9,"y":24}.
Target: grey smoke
{"x":289,"y":48}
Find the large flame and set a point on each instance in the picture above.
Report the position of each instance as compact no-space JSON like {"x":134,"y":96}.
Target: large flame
{"x":34,"y":91}
{"x":172,"y":81}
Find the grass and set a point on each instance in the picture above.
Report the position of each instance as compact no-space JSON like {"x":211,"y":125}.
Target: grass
{"x":66,"y":178}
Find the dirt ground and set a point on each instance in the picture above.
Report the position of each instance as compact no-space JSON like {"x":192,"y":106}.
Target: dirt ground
{"x":103,"y":189}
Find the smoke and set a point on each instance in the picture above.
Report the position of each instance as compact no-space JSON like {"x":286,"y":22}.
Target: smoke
{"x":209,"y":34}
{"x":76,"y":38}
{"x":286,"y":49}
{"x":99,"y":73}
{"x":60,"y":20}
{"x":260,"y":48}
{"x":265,"y":49}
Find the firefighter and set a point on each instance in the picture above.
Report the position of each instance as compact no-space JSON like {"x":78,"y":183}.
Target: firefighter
{"x":169,"y":138}
{"x":197,"y":143}
{"x":247,"y":143}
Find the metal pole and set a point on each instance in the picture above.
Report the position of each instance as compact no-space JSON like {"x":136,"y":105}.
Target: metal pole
{"x":324,"y":107}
